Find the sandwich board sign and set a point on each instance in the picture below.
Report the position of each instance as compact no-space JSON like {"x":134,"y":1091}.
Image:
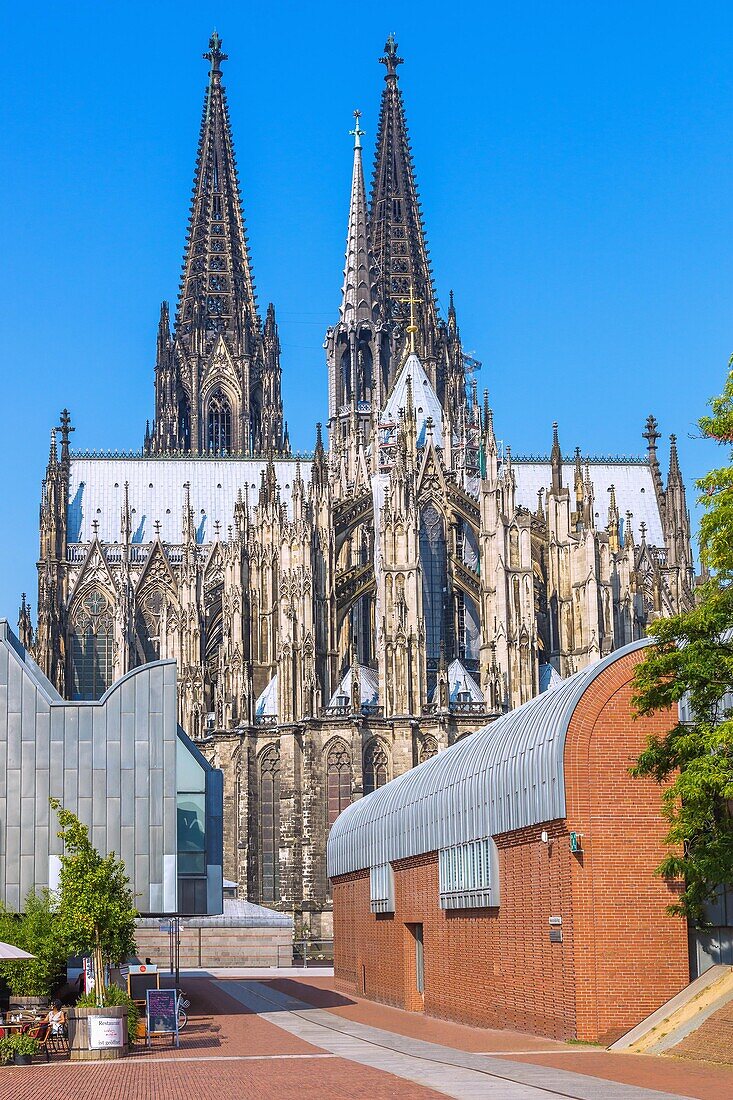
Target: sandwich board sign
{"x":162,"y":1008}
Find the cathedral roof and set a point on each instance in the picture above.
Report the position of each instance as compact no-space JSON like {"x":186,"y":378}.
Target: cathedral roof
{"x":633,"y":481}
{"x":424,"y":400}
{"x":266,"y":705}
{"x":460,"y":683}
{"x":157,"y":494}
{"x":368,"y":687}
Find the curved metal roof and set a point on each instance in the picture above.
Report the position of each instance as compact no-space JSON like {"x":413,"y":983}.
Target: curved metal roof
{"x":507,"y":775}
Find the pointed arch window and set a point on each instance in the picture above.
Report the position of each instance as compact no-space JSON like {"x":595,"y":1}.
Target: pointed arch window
{"x":91,"y":646}
{"x":428,"y":748}
{"x":434,"y":563}
{"x":270,"y":824}
{"x":338,"y":781}
{"x":375,"y":766}
{"x":219,"y":425}
{"x":148,"y":622}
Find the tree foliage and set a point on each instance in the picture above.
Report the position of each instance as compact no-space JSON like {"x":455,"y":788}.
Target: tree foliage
{"x":36,"y":930}
{"x":95,"y":904}
{"x":693,"y":659}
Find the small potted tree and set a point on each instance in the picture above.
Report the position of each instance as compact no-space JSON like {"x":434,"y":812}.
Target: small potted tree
{"x":18,"y":1049}
{"x":97,"y":918}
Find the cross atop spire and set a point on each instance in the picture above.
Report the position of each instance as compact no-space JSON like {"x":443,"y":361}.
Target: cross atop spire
{"x":215,"y":54}
{"x":357,"y":133}
{"x":390,"y":57}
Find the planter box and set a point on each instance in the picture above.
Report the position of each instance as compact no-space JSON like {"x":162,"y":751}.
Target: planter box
{"x":85,"y":1035}
{"x":18,"y":1003}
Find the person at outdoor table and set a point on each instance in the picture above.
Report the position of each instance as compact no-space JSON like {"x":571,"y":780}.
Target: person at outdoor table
{"x":56,"y":1018}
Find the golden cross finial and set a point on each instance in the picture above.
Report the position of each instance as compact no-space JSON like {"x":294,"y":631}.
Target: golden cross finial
{"x":412,"y":327}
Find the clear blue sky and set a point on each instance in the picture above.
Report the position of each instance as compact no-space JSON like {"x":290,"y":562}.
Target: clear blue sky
{"x":575,"y":165}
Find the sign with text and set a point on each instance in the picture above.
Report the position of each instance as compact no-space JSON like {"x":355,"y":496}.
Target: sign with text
{"x":106,"y":1031}
{"x":162,"y":1006}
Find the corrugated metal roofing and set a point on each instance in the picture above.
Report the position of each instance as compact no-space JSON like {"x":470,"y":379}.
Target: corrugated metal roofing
{"x":156,"y":493}
{"x":632,"y":480}
{"x":507,"y":775}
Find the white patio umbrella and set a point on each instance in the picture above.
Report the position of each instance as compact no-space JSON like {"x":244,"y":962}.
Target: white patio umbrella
{"x":7,"y":951}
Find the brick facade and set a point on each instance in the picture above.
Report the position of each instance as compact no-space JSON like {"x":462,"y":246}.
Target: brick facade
{"x":621,"y":954}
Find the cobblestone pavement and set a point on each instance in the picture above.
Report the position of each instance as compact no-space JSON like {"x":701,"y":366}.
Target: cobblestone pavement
{"x":307,"y":1040}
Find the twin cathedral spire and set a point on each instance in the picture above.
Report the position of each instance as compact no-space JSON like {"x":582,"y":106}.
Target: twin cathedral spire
{"x":218,"y":374}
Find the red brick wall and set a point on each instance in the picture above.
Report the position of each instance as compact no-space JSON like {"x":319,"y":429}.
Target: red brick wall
{"x":621,"y":955}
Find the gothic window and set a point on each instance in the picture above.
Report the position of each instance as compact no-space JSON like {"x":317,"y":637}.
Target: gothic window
{"x":219,"y":425}
{"x":346,"y":376}
{"x":428,"y":748}
{"x":513,"y":548}
{"x":217,"y":282}
{"x":91,"y":646}
{"x":338,"y":781}
{"x":184,"y":421}
{"x":148,"y":620}
{"x":270,"y":824}
{"x":215,"y":305}
{"x":434,"y":562}
{"x":217,"y":264}
{"x":375,"y":766}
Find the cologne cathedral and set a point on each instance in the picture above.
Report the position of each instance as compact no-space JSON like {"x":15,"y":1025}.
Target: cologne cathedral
{"x":337,"y":619}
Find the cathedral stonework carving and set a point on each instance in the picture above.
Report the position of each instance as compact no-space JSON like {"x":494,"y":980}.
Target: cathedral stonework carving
{"x":341,"y":617}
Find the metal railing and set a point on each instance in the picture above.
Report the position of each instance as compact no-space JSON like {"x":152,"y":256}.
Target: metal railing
{"x":305,"y":953}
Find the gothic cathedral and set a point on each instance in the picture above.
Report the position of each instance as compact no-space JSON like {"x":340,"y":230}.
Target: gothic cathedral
{"x":339,"y":618}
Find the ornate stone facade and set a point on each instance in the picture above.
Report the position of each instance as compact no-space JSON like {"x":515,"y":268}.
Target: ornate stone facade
{"x":337,"y":619}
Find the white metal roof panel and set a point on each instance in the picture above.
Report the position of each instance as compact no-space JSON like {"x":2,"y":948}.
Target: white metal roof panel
{"x":156,"y":491}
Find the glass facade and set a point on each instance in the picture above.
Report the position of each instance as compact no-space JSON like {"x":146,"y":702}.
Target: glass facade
{"x":191,"y":831}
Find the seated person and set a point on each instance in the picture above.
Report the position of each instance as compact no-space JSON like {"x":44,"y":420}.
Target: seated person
{"x":56,"y":1018}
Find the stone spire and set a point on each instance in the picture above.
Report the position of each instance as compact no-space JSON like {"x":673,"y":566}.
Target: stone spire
{"x":359,"y":298}
{"x":217,"y":293}
{"x":556,"y":461}
{"x":25,"y":627}
{"x":395,"y":218}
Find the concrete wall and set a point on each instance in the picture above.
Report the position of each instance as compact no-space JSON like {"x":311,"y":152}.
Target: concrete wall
{"x":621,"y":954}
{"x":218,"y":946}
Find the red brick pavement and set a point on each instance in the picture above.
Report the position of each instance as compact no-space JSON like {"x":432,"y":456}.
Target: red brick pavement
{"x":701,"y":1081}
{"x":219,"y":1028}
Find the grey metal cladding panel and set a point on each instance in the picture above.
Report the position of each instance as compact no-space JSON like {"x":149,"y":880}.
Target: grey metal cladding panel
{"x":113,"y":822}
{"x":15,"y":686}
{"x":4,"y":658}
{"x":142,"y":766}
{"x":12,"y":853}
{"x":127,"y":847}
{"x":127,"y":694}
{"x":156,"y":690}
{"x":27,"y":874}
{"x":59,"y":728}
{"x":84,"y":812}
{"x":142,"y":879}
{"x":170,"y":815}
{"x":29,"y":697}
{"x":3,"y":779}
{"x":70,"y":797}
{"x":114,"y":764}
{"x":40,"y":855}
{"x":99,"y":737}
{"x":142,"y":825}
{"x":127,"y":742}
{"x":85,"y":769}
{"x":155,"y":851}
{"x":14,"y":726}
{"x":43,"y":739}
{"x":127,"y":802}
{"x":98,"y":836}
{"x":155,"y":745}
{"x":27,"y":825}
{"x":169,"y":767}
{"x":86,"y":720}
{"x":142,"y":705}
{"x":27,"y":769}
{"x":99,"y":796}
{"x":12,"y":794}
{"x":42,"y":792}
{"x":71,"y":737}
{"x":155,"y":800}
{"x":113,"y":710}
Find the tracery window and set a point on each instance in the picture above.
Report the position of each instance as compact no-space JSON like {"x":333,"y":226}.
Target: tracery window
{"x":270,"y":824}
{"x":428,"y":748}
{"x":219,"y":425}
{"x":338,"y":781}
{"x":434,"y":562}
{"x":375,"y":766}
{"x":148,"y":620}
{"x":91,"y":646}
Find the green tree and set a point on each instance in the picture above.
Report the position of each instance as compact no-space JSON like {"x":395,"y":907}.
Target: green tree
{"x":36,"y":930}
{"x":95,"y":904}
{"x":693,"y":658}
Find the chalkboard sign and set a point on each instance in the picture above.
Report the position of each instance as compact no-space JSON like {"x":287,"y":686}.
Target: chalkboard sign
{"x":162,"y":1006}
